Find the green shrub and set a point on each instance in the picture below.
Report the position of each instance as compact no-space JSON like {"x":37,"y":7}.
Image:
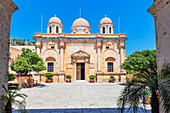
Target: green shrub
{"x":127,"y":77}
{"x":111,"y":76}
{"x":11,"y":77}
{"x":92,"y":76}
{"x":49,"y":75}
{"x":68,"y":76}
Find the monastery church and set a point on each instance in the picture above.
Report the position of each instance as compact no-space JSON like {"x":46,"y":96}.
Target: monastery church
{"x":80,"y":53}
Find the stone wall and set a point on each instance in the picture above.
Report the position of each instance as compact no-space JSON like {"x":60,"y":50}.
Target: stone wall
{"x":7,"y":7}
{"x":161,"y":13}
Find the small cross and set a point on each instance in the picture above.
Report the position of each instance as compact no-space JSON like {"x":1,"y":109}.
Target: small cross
{"x":54,"y":15}
{"x":105,"y":15}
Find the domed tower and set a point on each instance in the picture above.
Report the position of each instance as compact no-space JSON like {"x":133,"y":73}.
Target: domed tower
{"x":106,"y":26}
{"x":54,"y":26}
{"x":80,"y":26}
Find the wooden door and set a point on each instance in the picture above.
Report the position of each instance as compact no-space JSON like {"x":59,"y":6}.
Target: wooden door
{"x":78,"y":73}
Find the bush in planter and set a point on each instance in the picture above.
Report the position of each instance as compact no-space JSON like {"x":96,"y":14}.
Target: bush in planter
{"x":11,"y":77}
{"x":49,"y":77}
{"x":92,"y":77}
{"x":112,"y":78}
{"x":68,"y":78}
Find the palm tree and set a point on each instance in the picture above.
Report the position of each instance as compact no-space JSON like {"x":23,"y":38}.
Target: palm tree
{"x":148,"y":80}
{"x":10,"y":98}
{"x":12,"y":94}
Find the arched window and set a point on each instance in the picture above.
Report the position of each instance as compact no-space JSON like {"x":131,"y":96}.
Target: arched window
{"x":110,"y":30}
{"x":56,"y":29}
{"x":50,"y":30}
{"x":103,"y":30}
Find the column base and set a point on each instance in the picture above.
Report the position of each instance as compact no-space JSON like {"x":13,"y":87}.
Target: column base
{"x":123,"y":77}
{"x":61,"y":73}
{"x":61,"y":77}
{"x":99,"y":73}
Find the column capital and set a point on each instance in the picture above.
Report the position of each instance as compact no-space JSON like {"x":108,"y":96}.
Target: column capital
{"x":62,"y":44}
{"x":10,"y":5}
{"x":157,"y":5}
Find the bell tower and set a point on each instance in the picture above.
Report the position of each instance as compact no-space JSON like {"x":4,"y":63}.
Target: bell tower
{"x":106,"y":26}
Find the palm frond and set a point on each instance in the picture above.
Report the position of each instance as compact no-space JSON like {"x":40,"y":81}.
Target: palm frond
{"x":131,"y":96}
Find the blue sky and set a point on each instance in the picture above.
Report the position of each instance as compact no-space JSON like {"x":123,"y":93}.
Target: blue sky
{"x":135,"y":21}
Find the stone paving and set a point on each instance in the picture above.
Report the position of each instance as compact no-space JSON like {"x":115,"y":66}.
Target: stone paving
{"x":73,"y":98}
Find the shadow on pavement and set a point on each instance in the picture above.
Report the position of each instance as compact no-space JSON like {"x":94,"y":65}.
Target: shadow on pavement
{"x":81,"y":110}
{"x":123,"y":84}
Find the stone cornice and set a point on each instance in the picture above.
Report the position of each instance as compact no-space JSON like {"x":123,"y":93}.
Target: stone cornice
{"x":40,"y":37}
{"x":9,"y":4}
{"x":157,"y":5}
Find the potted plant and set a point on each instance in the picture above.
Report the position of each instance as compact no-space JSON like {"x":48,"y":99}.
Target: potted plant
{"x":24,"y":84}
{"x":147,"y":97}
{"x":49,"y":78}
{"x":92,"y":78}
{"x":68,"y":78}
{"x":112,"y":79}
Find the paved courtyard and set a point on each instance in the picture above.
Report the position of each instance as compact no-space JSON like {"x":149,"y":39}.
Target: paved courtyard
{"x":73,"y":98}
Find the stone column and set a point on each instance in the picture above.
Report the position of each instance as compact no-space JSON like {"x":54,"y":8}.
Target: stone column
{"x":54,"y":29}
{"x":160,"y":11}
{"x":7,"y":7}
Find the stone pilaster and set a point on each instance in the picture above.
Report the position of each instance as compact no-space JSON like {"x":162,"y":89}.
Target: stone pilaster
{"x":7,"y":7}
{"x":62,"y":47}
{"x":98,"y":47}
{"x":38,"y":43}
{"x":122,"y":47}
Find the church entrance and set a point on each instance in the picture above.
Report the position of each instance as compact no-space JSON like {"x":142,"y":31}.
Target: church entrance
{"x":80,"y":71}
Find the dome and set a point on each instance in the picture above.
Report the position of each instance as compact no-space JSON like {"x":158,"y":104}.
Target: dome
{"x":106,"y":20}
{"x":83,"y":22}
{"x":55,"y":20}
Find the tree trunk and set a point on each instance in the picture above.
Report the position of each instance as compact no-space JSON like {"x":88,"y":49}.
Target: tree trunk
{"x":154,"y":102}
{"x":8,"y":107}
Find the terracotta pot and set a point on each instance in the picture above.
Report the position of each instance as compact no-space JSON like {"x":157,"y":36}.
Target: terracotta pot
{"x":24,"y":86}
{"x":49,"y":80}
{"x":111,"y":81}
{"x":91,"y":81}
{"x":68,"y":80}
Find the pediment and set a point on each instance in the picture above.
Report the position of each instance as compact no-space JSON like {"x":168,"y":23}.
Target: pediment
{"x":80,"y":54}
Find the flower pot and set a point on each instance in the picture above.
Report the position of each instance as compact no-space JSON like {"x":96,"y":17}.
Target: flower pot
{"x":24,"y":85}
{"x":68,"y":80}
{"x":91,"y":81}
{"x":49,"y":80}
{"x":111,"y":81}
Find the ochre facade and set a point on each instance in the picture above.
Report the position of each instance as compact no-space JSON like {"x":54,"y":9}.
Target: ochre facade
{"x":81,"y":54}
